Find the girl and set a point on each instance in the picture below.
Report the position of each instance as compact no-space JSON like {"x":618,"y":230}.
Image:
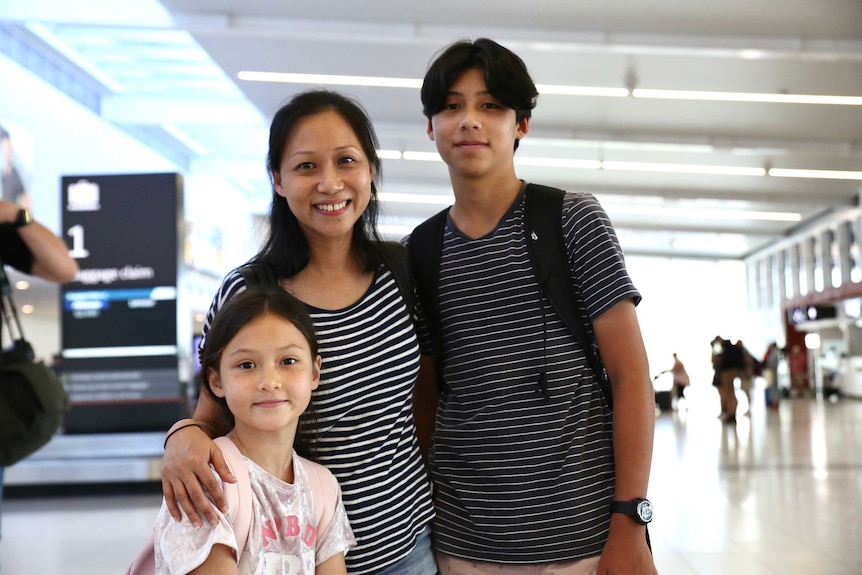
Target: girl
{"x":259,"y":365}
{"x":323,"y":248}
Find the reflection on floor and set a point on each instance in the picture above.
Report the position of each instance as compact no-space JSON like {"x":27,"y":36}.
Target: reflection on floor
{"x":777,"y":494}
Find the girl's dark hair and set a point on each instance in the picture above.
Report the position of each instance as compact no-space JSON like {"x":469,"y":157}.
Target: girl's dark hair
{"x":238,"y":312}
{"x":506,"y":76}
{"x":286,"y":248}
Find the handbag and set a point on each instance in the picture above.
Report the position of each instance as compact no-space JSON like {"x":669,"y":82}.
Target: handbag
{"x":33,"y":402}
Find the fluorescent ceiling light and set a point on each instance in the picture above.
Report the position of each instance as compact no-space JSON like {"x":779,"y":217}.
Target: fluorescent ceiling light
{"x":558,"y":163}
{"x":708,"y":169}
{"x":708,"y":213}
{"x":389,"y":154}
{"x":683,"y":168}
{"x":422,"y":156}
{"x":560,"y":89}
{"x":329,"y":79}
{"x":747,"y":97}
{"x":417,"y":198}
{"x":820,"y":174}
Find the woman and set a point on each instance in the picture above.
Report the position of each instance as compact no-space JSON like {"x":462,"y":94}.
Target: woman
{"x":322,"y":248}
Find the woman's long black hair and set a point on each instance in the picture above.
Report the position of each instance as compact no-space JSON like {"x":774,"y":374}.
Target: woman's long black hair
{"x":286,"y":248}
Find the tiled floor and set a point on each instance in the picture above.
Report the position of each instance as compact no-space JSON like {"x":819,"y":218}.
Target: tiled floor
{"x":779,"y":493}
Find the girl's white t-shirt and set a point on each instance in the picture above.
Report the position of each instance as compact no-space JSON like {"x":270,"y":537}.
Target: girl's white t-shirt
{"x":289,"y":535}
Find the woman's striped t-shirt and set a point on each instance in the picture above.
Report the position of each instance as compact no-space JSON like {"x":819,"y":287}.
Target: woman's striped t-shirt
{"x":364,"y":411}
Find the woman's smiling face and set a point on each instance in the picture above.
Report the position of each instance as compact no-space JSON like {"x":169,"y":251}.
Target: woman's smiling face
{"x":324,"y":175}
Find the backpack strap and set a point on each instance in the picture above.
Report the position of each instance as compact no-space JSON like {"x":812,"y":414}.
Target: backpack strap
{"x":395,"y":257}
{"x":258,"y":275}
{"x":238,"y":495}
{"x":426,"y":248}
{"x":543,"y":214}
{"x":325,"y":492}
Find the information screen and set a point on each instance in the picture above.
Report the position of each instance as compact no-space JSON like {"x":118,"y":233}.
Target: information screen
{"x":119,"y":332}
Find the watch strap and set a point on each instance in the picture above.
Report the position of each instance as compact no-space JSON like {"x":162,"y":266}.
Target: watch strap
{"x":626,"y":507}
{"x":631,"y":508}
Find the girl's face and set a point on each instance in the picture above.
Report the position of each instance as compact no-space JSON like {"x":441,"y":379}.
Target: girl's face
{"x":325,"y":176}
{"x":266,"y":374}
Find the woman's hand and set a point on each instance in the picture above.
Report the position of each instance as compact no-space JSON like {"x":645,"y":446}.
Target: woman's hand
{"x":187,"y":477}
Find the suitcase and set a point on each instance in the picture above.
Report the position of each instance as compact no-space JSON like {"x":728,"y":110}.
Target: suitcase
{"x":663,"y":400}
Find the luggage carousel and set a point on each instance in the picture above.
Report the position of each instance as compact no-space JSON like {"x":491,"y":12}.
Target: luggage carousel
{"x":91,"y":458}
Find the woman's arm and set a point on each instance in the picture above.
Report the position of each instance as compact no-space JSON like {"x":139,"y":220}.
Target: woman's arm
{"x":186,"y":474}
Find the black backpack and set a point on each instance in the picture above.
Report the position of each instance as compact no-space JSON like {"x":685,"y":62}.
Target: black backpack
{"x":544,"y":229}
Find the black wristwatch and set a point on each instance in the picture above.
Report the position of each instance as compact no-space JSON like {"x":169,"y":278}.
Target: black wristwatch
{"x":23,"y":218}
{"x":639,"y":509}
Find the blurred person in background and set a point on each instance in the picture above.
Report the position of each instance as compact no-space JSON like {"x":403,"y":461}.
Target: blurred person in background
{"x":31,"y":248}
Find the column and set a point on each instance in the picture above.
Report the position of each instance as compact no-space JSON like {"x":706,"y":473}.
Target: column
{"x":827,"y":261}
{"x":808,"y":263}
{"x":780,"y":276}
{"x":845,"y":258}
{"x":794,"y":270}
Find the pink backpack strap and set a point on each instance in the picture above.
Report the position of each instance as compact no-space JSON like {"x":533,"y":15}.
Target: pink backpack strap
{"x":325,"y":492}
{"x":239,"y":496}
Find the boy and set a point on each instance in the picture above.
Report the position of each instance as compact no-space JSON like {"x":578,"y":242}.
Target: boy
{"x":527,"y":457}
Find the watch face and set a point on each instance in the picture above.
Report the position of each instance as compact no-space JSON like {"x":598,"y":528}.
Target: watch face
{"x":645,"y":511}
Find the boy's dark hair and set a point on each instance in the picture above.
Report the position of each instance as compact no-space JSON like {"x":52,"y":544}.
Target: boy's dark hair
{"x":238,"y":312}
{"x":506,"y":76}
{"x":286,"y":248}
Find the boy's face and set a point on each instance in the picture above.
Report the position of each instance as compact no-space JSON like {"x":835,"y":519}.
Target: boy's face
{"x":475,"y":134}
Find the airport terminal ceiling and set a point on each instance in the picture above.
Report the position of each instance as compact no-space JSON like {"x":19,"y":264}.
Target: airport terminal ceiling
{"x":708,"y":132}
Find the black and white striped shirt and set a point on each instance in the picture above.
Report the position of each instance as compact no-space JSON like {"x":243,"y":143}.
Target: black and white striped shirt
{"x":365,"y":416}
{"x":523,"y":472}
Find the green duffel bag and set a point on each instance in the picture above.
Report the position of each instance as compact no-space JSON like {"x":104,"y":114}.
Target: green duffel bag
{"x":33,"y":403}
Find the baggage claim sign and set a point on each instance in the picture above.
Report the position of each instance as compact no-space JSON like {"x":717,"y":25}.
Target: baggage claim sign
{"x":119,"y":332}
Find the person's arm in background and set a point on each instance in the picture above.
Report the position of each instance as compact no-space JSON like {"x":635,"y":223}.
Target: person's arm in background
{"x":51,"y":259}
{"x":624,"y":356}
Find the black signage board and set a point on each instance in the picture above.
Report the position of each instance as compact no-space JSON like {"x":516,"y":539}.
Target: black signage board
{"x":119,"y":315}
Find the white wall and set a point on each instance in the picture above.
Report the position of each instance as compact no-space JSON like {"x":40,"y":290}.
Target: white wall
{"x":686,"y":303}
